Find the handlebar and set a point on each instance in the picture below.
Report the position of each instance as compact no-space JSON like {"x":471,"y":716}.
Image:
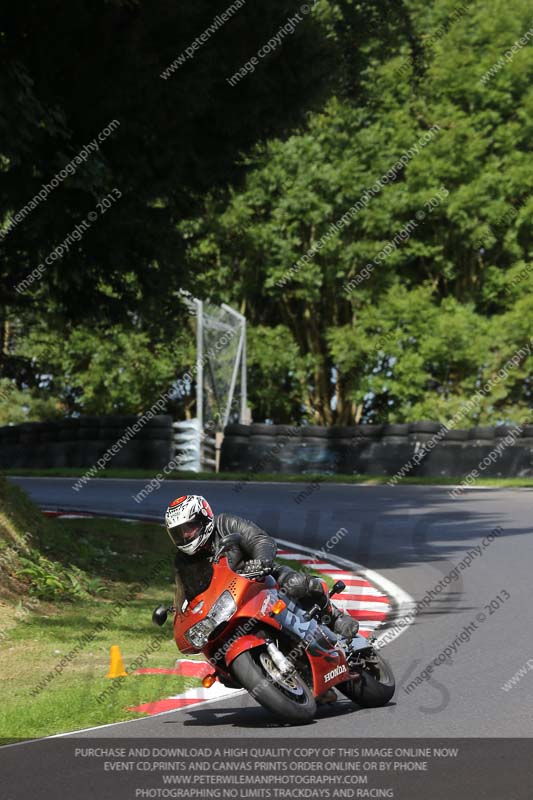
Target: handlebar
{"x":314,"y":611}
{"x":262,"y":573}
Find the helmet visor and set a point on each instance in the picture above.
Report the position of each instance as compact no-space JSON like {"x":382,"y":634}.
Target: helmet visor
{"x":187,"y":532}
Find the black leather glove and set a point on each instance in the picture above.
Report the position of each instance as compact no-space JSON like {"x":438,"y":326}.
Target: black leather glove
{"x":346,"y":627}
{"x":317,"y":592}
{"x":255,"y":566}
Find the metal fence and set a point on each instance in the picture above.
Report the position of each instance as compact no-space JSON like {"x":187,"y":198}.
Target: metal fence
{"x":221,"y":388}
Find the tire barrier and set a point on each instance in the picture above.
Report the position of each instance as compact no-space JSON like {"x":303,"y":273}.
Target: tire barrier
{"x":259,"y":448}
{"x":377,"y":450}
{"x":81,"y":442}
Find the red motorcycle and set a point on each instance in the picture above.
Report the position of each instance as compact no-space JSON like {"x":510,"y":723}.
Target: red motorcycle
{"x":258,"y":639}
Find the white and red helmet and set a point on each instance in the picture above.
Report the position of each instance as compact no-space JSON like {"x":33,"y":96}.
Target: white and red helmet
{"x":190,"y":522}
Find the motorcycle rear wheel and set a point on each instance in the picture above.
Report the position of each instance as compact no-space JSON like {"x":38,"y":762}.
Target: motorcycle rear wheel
{"x":289,"y":699}
{"x":374,"y":688}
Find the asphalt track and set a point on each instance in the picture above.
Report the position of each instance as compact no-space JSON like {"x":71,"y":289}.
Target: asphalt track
{"x":412,"y":535}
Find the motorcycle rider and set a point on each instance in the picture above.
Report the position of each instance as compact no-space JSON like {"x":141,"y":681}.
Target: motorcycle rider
{"x":196,"y":533}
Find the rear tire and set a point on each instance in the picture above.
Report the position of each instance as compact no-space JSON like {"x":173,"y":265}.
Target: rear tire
{"x":251,"y":671}
{"x":373,"y":688}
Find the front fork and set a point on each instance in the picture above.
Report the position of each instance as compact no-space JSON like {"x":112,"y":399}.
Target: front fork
{"x":281,"y":661}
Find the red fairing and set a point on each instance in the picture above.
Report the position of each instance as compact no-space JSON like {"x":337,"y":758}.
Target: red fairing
{"x":254,"y":600}
{"x":328,"y":671}
{"x":240,"y":645}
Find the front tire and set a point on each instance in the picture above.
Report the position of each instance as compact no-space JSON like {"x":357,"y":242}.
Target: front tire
{"x":289,"y":699}
{"x":374,"y":687}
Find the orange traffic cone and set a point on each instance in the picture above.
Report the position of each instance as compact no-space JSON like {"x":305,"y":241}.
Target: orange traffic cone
{"x":116,"y":664}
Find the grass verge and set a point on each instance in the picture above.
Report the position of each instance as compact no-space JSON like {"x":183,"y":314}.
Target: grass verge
{"x":69,"y":590}
{"x":246,"y":477}
{"x":54,"y":648}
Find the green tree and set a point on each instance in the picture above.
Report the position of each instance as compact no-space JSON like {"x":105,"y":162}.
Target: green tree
{"x":96,"y":370}
{"x":65,"y":76}
{"x":464,"y":197}
{"x":268,"y":227}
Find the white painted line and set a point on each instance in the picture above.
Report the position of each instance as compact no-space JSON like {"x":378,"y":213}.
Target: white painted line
{"x":370,"y":624}
{"x":289,"y":556}
{"x":362,"y":605}
{"x":364,"y":591}
{"x":342,"y":575}
{"x":217,"y":691}
{"x":234,"y":692}
{"x":105,"y":512}
{"x":311,"y":563}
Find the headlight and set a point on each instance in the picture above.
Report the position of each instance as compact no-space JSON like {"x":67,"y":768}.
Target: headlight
{"x":199,"y":633}
{"x":224,"y":608}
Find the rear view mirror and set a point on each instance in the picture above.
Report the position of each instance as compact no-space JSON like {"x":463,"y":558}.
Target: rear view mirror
{"x":160,"y":615}
{"x":337,"y":588}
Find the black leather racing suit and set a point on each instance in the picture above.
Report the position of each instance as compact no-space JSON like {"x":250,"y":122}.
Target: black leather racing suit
{"x":193,"y":573}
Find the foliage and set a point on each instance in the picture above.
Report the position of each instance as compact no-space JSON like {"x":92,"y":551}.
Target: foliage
{"x":134,"y":565}
{"x":66,"y":76}
{"x":105,"y":369}
{"x":275,"y":373}
{"x":449,"y":290}
{"x":240,"y":188}
{"x":47,"y":582}
{"x":24,"y":568}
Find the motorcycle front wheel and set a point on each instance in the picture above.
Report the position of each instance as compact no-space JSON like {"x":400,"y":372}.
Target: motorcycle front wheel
{"x":289,"y":698}
{"x":374,"y":687}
